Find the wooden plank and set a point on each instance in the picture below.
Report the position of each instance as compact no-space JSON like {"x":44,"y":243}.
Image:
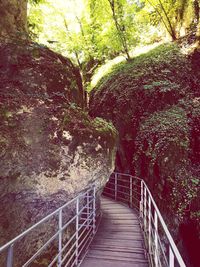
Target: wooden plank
{"x":108,"y":263}
{"x":118,"y":248}
{"x":119,"y":241}
{"x":116,"y":254}
{"x":114,"y":258}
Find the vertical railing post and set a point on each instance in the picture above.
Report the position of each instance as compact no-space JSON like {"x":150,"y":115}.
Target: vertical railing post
{"x":145,"y":208}
{"x":115,"y":186}
{"x":10,"y":256}
{"x":60,"y":238}
{"x":149,"y":219}
{"x":171,"y":258}
{"x":131,"y":191}
{"x":141,"y":200}
{"x":88,"y":210}
{"x":94,"y":209}
{"x":77,"y":226}
{"x":156,"y":238}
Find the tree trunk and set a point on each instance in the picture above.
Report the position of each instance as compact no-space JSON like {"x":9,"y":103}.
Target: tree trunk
{"x":172,"y":30}
{"x":121,"y":35}
{"x":167,"y":23}
{"x":13,"y":18}
{"x":196,"y":10}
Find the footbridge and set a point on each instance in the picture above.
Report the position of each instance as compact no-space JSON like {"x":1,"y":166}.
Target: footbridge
{"x":129,"y":231}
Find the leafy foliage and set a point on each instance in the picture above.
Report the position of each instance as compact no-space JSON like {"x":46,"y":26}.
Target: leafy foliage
{"x":90,"y":32}
{"x":87,"y":31}
{"x":174,"y":15}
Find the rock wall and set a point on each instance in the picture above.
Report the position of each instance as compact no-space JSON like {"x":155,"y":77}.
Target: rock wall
{"x":154,"y":102}
{"x":50,"y":149}
{"x":13,"y":17}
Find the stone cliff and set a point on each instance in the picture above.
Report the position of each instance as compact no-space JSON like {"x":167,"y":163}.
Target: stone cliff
{"x":50,"y":149}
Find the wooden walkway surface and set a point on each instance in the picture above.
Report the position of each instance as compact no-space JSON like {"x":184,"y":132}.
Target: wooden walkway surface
{"x":119,"y":240}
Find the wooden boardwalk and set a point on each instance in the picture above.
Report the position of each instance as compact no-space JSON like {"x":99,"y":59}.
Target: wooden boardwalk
{"x":119,"y":241}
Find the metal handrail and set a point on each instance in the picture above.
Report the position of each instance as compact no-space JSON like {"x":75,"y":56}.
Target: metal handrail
{"x":160,"y":245}
{"x":124,"y":187}
{"x":84,"y":221}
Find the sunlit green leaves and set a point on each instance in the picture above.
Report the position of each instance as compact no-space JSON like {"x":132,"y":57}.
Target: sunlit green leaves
{"x":91,"y":31}
{"x":85,"y":28}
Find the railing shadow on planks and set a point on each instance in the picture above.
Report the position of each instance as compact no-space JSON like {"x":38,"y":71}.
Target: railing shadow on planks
{"x":70,"y":250}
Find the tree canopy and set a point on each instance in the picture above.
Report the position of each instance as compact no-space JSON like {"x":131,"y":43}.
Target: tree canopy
{"x":91,"y":31}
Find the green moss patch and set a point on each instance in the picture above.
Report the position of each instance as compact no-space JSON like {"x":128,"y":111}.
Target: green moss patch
{"x":80,"y":124}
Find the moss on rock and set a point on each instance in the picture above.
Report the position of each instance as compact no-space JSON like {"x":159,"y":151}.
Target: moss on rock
{"x":162,"y":149}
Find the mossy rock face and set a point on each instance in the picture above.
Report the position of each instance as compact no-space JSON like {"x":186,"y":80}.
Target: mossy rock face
{"x":134,"y":90}
{"x":36,"y":72}
{"x":164,"y":158}
{"x":154,"y":102}
{"x":162,"y":153}
{"x":160,"y":138}
{"x":50,"y":149}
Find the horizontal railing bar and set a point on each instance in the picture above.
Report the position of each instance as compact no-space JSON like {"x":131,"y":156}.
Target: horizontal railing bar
{"x":85,"y":237}
{"x":69,"y":222}
{"x":133,"y":192}
{"x":85,"y":223}
{"x":110,"y":188}
{"x":123,"y":186}
{"x":124,"y":180}
{"x":128,"y":186}
{"x":73,"y":218}
{"x":64,"y":247}
{"x":81,"y":249}
{"x":85,"y":245}
{"x":128,"y":200}
{"x":136,"y":185}
{"x":136,"y":199}
{"x":122,"y":192}
{"x":73,"y":263}
{"x":89,"y":202}
{"x":111,"y":194}
{"x":110,"y":183}
{"x":73,"y":255}
{"x":85,"y":213}
{"x":84,"y":230}
{"x":118,"y":197}
{"x":128,"y":194}
{"x":137,"y":193}
{"x":126,"y":174}
{"x":71,"y":248}
{"x":40,"y":250}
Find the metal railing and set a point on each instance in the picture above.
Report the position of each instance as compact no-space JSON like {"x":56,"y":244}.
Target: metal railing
{"x":69,"y":248}
{"x":133,"y":191}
